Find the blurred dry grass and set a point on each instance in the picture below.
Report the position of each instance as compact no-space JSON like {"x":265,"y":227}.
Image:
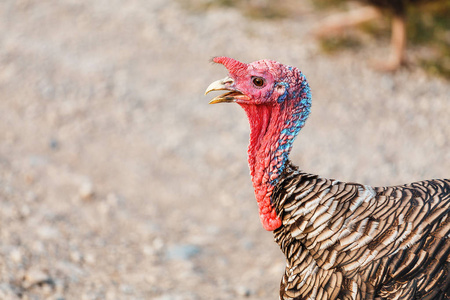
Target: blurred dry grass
{"x":428,"y":26}
{"x":428,"y":34}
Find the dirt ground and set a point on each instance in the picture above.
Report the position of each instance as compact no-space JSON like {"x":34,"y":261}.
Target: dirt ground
{"x":118,"y":181}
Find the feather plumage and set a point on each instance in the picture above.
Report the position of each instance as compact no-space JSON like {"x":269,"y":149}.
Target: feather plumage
{"x":385,"y":242}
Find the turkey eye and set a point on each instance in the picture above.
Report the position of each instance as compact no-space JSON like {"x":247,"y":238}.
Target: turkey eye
{"x":258,"y":81}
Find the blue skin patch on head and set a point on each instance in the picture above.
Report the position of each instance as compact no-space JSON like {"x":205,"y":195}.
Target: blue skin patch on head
{"x":301,"y":110}
{"x":285,"y":94}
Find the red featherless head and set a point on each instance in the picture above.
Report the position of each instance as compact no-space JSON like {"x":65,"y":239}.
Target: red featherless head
{"x":277,"y":101}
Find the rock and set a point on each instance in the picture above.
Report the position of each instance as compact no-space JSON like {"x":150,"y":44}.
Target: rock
{"x":243,"y":291}
{"x":70,"y":270}
{"x":25,"y":210}
{"x":104,"y":208}
{"x":16,"y":255}
{"x":7,"y":291}
{"x":53,"y":144}
{"x":47,"y":232}
{"x":30,"y":178}
{"x":112,"y":200}
{"x":148,"y":250}
{"x":38,"y":247}
{"x":90,"y":258}
{"x":76,"y":256}
{"x":158,"y":244}
{"x":126,"y":289}
{"x":31,"y":196}
{"x":36,"y":276}
{"x":86,"y":191}
{"x":183,"y":252}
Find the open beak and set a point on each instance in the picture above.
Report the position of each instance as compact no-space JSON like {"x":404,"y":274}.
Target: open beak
{"x":225,"y":84}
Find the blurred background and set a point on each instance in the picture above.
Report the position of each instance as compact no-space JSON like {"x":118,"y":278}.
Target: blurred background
{"x":118,"y":181}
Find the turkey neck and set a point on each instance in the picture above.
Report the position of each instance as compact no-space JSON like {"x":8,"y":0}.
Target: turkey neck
{"x":272,"y":132}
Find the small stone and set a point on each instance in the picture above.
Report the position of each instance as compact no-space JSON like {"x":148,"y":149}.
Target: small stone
{"x":71,"y":271}
{"x":248,"y":244}
{"x":30,"y":197}
{"x":110,"y":295}
{"x":53,"y":144}
{"x":243,"y":291}
{"x":158,"y":244}
{"x":90,"y":258}
{"x":25,"y":210}
{"x":112,"y":200}
{"x":35,"y":276}
{"x":183,"y":252}
{"x":86,"y":190}
{"x":30,"y":178}
{"x":104,"y":208}
{"x":38,"y":247}
{"x":126,"y":289}
{"x":16,"y":255}
{"x":8,"y":291}
{"x":148,"y":250}
{"x":151,"y":279}
{"x":76,"y":256}
{"x":47,"y":288}
{"x":47,"y":232}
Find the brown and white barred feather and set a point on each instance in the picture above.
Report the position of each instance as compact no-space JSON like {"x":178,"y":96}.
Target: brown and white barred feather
{"x":352,"y":241}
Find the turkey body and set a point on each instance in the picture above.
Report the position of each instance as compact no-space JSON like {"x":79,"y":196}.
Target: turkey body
{"x":352,"y":241}
{"x":341,"y":240}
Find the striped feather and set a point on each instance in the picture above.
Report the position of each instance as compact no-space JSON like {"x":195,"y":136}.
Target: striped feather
{"x":351,"y":241}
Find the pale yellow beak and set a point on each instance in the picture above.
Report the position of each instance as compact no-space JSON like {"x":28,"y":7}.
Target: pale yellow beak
{"x":224,"y":84}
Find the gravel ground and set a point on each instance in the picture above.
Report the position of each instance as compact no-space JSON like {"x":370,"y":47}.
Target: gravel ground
{"x":118,"y":181}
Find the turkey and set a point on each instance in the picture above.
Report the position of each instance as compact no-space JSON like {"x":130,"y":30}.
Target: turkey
{"x":398,"y":30}
{"x":341,"y":240}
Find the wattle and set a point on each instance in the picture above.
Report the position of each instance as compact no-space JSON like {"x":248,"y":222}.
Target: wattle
{"x":264,"y":158}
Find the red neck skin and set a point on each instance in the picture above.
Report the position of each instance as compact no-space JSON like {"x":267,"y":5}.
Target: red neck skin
{"x":266,"y":123}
